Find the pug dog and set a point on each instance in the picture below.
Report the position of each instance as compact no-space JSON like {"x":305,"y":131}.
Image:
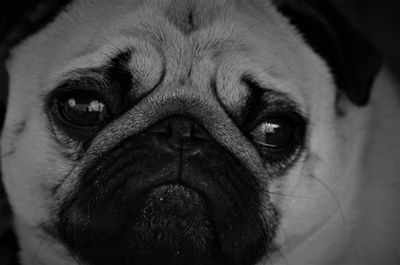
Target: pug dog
{"x":210,"y":132}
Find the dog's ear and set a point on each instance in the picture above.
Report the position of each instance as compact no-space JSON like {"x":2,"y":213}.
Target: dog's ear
{"x":3,"y":95}
{"x":21,"y":18}
{"x":18,"y":20}
{"x":353,"y":60}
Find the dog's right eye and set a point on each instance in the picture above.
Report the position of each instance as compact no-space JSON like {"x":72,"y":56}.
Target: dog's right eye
{"x":83,"y":110}
{"x":77,"y":115}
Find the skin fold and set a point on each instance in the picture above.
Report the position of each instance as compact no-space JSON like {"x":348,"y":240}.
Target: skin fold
{"x":174,"y":174}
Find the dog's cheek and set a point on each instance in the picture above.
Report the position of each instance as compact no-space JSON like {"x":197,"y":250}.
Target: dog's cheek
{"x":30,"y":165}
{"x":30,"y":160}
{"x":316,"y":197}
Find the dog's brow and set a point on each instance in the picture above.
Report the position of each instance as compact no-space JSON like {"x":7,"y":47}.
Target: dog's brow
{"x":114,"y":72}
{"x":88,"y":79}
{"x":262,"y":101}
{"x":121,"y":60}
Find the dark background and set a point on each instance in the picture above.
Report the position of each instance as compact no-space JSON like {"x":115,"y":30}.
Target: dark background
{"x":380,"y":21}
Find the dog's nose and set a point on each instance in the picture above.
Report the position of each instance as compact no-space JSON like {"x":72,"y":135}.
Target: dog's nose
{"x":179,"y":133}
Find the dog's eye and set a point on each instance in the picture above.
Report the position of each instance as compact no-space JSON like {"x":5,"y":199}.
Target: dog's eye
{"x":83,"y":110}
{"x":275,"y":133}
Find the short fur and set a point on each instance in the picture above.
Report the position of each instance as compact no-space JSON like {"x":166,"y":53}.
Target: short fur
{"x":334,"y":203}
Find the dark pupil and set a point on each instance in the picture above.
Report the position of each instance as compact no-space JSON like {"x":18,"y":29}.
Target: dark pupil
{"x":83,"y":111}
{"x":278,"y":134}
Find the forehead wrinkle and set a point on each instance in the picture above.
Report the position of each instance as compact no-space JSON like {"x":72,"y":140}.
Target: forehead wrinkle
{"x":228,"y":36}
{"x":158,"y":29}
{"x":191,"y":15}
{"x":232,"y":69}
{"x":103,"y":55}
{"x":217,"y":38}
{"x":236,"y":103}
{"x":234,"y":36}
{"x":147,"y":24}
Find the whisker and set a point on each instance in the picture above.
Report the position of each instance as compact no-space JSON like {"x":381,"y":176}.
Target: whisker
{"x":286,"y":236}
{"x":36,"y":256}
{"x":9,"y":153}
{"x":344,"y":223}
{"x":292,"y":195}
{"x":283,"y":257}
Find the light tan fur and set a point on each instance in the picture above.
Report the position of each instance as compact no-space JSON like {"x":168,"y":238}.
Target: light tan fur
{"x":338,"y":202}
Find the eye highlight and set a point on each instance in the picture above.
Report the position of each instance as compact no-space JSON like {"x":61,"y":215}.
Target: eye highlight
{"x":274,"y":133}
{"x":83,"y":110}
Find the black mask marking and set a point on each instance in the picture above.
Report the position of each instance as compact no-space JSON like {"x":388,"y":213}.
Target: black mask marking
{"x":170,"y":195}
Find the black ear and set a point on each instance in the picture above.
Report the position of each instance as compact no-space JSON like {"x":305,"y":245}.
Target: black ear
{"x":21,"y":18}
{"x":3,"y":95}
{"x":353,"y":60}
{"x":18,"y":20}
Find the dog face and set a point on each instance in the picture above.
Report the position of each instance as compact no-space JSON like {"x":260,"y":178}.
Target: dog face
{"x":181,"y":132}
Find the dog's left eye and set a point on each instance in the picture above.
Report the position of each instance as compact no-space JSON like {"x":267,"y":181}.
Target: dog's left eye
{"x":275,"y":133}
{"x":83,"y":110}
{"x":278,"y":139}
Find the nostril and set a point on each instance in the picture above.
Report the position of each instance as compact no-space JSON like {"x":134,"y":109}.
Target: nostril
{"x":200,"y":133}
{"x":182,"y":128}
{"x":159,"y":128}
